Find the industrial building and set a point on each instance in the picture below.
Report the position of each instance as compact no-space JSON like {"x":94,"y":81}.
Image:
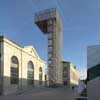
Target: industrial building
{"x":49,"y":23}
{"x":71,"y":75}
{"x":93,"y":75}
{"x":20,"y":67}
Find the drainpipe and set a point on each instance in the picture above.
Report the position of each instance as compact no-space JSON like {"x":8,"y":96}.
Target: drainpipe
{"x":21,"y":69}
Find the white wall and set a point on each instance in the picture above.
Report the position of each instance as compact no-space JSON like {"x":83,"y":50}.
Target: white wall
{"x":24,"y":56}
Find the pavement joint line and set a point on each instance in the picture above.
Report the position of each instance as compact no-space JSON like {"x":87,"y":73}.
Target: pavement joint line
{"x":38,"y":92}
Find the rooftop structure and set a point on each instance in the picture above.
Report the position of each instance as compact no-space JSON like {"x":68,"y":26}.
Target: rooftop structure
{"x":49,"y":23}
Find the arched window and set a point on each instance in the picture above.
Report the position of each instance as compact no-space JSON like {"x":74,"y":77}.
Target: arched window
{"x":30,"y":73}
{"x":40,"y":76}
{"x":14,"y":70}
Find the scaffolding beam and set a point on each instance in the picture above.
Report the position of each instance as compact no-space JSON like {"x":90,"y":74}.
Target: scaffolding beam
{"x":49,"y":23}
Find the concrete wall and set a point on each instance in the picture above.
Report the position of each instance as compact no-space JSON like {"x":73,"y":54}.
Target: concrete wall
{"x":94,"y":89}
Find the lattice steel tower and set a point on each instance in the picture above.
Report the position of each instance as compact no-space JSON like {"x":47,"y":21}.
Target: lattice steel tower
{"x":49,"y":23}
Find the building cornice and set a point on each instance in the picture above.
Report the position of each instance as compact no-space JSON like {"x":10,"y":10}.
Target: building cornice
{"x":21,"y":48}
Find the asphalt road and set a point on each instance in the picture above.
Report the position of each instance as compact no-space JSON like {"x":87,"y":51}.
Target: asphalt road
{"x":43,"y":94}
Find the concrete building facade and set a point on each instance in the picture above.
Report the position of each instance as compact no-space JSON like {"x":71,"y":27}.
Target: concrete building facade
{"x":20,"y":67}
{"x":49,"y":23}
{"x":71,"y":75}
{"x":93,"y":74}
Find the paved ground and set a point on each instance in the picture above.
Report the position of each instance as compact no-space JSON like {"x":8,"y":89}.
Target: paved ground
{"x":43,"y":94}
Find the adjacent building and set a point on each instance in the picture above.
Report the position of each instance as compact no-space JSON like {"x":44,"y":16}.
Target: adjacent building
{"x":49,"y":22}
{"x":93,"y":75}
{"x":20,"y":67}
{"x":71,"y":75}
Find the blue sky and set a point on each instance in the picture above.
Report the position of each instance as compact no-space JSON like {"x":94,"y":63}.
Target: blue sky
{"x":80,"y":20}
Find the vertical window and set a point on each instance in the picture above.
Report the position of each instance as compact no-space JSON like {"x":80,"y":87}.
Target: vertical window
{"x":50,"y":36}
{"x":50,"y":22}
{"x":30,"y":73}
{"x":40,"y":76}
{"x":49,"y":55}
{"x":50,"y":49}
{"x":49,"y":42}
{"x":49,"y":62}
{"x":14,"y":70}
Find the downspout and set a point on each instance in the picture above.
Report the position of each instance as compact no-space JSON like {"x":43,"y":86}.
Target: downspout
{"x":21,"y":69}
{"x":2,"y":66}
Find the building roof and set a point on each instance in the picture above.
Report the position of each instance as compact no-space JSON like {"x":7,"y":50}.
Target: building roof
{"x":25,"y":48}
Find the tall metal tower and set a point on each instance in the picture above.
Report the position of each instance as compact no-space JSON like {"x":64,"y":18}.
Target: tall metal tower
{"x":49,"y":23}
